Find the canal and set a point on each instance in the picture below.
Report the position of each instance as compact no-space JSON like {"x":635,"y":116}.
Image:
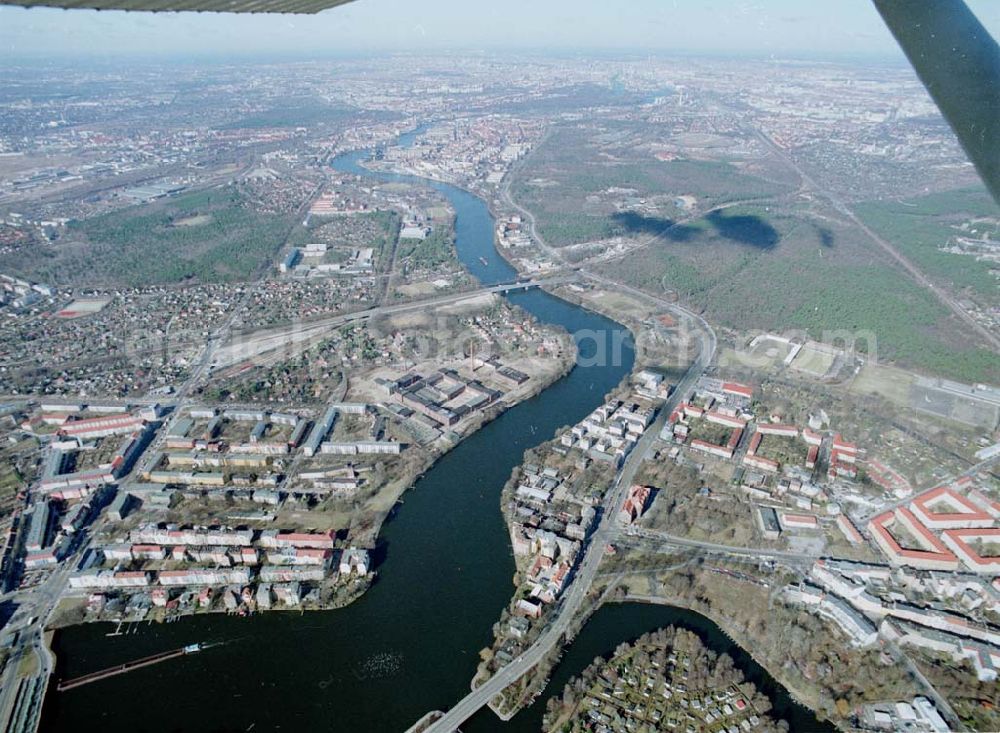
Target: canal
{"x":411,"y":643}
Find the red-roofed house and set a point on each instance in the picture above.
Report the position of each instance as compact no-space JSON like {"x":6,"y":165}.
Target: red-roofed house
{"x":810,"y":437}
{"x":634,"y":504}
{"x":849,"y":530}
{"x":959,"y":540}
{"x":730,"y":422}
{"x":148,"y":552}
{"x":944,"y":508}
{"x":715,"y":450}
{"x":322,"y":540}
{"x":934,"y":556}
{"x":812,"y":456}
{"x":798,"y":521}
{"x":734,"y":439}
{"x":764,"y":464}
{"x":785,"y":431}
{"x":737,"y":390}
{"x":840,"y":444}
{"x":692,"y":410}
{"x":97,"y":427}
{"x":839,"y":469}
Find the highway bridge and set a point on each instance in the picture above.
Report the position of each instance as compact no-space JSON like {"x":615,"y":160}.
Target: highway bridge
{"x":557,"y":277}
{"x":249,"y":343}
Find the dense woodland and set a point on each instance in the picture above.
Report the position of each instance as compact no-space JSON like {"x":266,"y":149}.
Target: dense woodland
{"x":207,"y":236}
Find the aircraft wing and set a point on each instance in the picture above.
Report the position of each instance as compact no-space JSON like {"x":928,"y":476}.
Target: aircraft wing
{"x":213,"y":6}
{"x":959,"y":63}
{"x":954,"y":56}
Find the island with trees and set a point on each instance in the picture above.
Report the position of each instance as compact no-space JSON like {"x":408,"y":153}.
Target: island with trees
{"x":665,"y":680}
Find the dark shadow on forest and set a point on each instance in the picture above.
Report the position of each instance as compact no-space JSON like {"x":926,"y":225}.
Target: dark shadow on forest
{"x":744,"y":229}
{"x":825,"y":235}
{"x":637,"y":223}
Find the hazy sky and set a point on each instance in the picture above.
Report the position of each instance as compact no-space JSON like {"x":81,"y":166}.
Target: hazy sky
{"x":780,"y":27}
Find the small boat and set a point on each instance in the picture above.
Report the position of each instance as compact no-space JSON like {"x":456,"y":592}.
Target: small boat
{"x":484,"y":260}
{"x":192,"y":648}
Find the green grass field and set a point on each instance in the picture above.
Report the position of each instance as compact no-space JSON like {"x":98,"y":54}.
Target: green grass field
{"x":813,"y":361}
{"x":818,"y":280}
{"x":575,"y":178}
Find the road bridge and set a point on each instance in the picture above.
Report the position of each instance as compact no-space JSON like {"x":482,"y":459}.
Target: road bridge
{"x":250,"y":343}
{"x":567,"y":608}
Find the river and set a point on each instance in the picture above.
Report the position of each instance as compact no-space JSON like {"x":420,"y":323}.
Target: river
{"x":411,"y":643}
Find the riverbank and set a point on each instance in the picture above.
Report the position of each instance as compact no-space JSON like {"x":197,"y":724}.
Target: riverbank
{"x":614,"y":623}
{"x":737,"y":598}
{"x":663,"y":678}
{"x":444,"y":573}
{"x":67,"y":614}
{"x":560,"y":517}
{"x":392,"y":497}
{"x":357,"y":520}
{"x":798,"y":696}
{"x":634,"y":321}
{"x":408,"y":645}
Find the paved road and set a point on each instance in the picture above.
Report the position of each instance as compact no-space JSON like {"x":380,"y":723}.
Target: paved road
{"x":566,"y":609}
{"x":526,"y":214}
{"x":636,"y":535}
{"x":970,"y":471}
{"x":38,"y":602}
{"x":250,"y":344}
{"x":943,"y":706}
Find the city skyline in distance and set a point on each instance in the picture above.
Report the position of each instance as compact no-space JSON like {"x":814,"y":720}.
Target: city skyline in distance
{"x":779,"y":28}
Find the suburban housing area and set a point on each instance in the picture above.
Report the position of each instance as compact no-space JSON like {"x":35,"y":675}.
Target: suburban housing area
{"x":610,"y":393}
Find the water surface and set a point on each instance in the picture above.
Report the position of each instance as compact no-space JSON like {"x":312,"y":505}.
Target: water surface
{"x":411,"y":643}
